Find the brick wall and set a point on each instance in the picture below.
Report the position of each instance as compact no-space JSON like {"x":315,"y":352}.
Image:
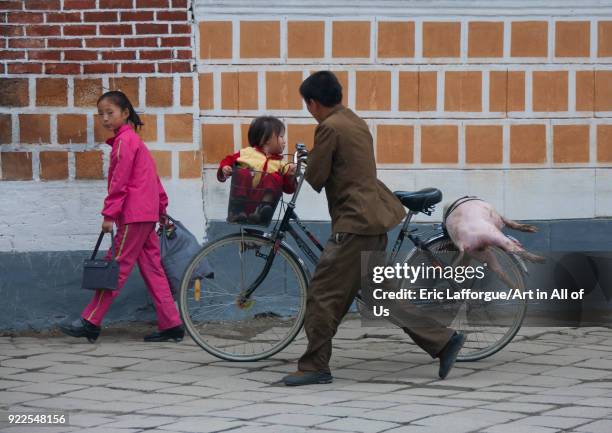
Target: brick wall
{"x":514,"y":107}
{"x":57,"y":57}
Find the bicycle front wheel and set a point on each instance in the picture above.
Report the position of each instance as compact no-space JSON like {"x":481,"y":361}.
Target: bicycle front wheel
{"x":221,"y":319}
{"x":487,"y":325}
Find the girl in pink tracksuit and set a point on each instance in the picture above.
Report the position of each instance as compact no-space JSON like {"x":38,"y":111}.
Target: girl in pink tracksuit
{"x":135,"y":202}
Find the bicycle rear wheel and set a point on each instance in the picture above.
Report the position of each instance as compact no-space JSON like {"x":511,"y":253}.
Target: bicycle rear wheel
{"x":225,"y":324}
{"x":488,"y":325}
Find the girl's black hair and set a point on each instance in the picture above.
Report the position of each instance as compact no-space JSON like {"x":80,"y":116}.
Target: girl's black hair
{"x":120,"y":100}
{"x":262,"y":128}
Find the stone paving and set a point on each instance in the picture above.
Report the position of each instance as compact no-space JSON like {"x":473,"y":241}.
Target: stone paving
{"x":546,"y":380}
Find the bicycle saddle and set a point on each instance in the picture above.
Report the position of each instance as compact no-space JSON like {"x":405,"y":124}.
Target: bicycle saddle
{"x":420,"y":201}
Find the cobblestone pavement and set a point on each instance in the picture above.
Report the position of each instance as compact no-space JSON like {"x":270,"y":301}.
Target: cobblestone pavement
{"x":546,"y":380}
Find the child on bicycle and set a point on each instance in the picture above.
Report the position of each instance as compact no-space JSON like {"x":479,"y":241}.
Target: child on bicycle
{"x":135,"y":202}
{"x":264,"y":156}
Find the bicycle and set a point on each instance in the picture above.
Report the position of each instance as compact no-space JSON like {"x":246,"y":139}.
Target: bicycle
{"x":254,"y":304}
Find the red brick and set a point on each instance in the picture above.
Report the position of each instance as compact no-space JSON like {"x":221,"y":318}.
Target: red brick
{"x":137,"y":16}
{"x":6,"y":129}
{"x":156,"y":55}
{"x":26,"y":43}
{"x":176,"y":42}
{"x":100,"y":17}
{"x":44,"y":55}
{"x":64,"y":43}
{"x":43,"y":30}
{"x":152,"y":4}
{"x":25,"y":17}
{"x":34,"y":128}
{"x":151,"y":29}
{"x":180,"y":28}
{"x":136,"y":68}
{"x":183,"y":54}
{"x":11,"y":4}
{"x":116,"y":29}
{"x":80,"y":55}
{"x":99,"y":68}
{"x":25,"y":68}
{"x":119,"y":55}
{"x":79,"y":30}
{"x":174,"y":67}
{"x":11,"y":30}
{"x":116,"y":4}
{"x":12,"y":55}
{"x":140,"y":42}
{"x":63,"y":68}
{"x":49,"y":5}
{"x":172,"y":16}
{"x":16,"y":165}
{"x":103,"y":42}
{"x":64,"y":17}
{"x":179,"y":3}
{"x":79,"y":4}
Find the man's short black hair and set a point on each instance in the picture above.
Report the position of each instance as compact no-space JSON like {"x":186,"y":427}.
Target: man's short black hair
{"x":323,"y":87}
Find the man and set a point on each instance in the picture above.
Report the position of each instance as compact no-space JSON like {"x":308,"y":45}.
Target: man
{"x":362,"y":211}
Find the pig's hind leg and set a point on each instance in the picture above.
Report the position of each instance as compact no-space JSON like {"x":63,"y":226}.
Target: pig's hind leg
{"x":518,"y":226}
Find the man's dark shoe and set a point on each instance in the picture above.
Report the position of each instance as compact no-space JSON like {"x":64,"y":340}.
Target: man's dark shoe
{"x":448,"y":355}
{"x":81,"y":328}
{"x":307,"y":378}
{"x":177,"y":333}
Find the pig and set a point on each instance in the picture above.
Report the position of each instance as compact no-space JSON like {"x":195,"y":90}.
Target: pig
{"x":474,"y":226}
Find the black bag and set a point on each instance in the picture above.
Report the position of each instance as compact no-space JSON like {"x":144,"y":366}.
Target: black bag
{"x":101,"y":274}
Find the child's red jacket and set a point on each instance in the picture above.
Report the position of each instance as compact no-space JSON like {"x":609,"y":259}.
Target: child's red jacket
{"x":135,"y":193}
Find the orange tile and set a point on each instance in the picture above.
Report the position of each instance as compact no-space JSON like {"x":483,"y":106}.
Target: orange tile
{"x":88,"y":165}
{"x":572,"y":39}
{"x":205,"y":82}
{"x":16,"y":165}
{"x":570,"y":143}
{"x":34,"y":128}
{"x":51,"y":92}
{"x":529,"y":39}
{"x":603,"y":90}
{"x":585,"y":87}
{"x":259,"y":39}
{"x":604,"y":39}
{"x":87,"y":91}
{"x":408,"y":91}
{"x":71,"y":128}
{"x":485,"y":39}
{"x":483,"y":144}
{"x":282,"y":90}
{"x":305,"y":39}
{"x":373,"y":90}
{"x":186,"y":91}
{"x":394,"y":144}
{"x":498,"y":91}
{"x":395,"y":39}
{"x":527,"y":144}
{"x":244,"y":130}
{"x":217,"y":142}
{"x":441,"y":39}
{"x":604,"y":143}
{"x":239,"y":91}
{"x":550,"y":91}
{"x":148,"y":131}
{"x":159,"y":91}
{"x":351,"y":39}
{"x":516,"y":91}
{"x":463,"y":91}
{"x":53,"y":165}
{"x":128,"y":85}
{"x":163,"y":162}
{"x":439,"y":144}
{"x":178,"y":128}
{"x":216,"y":40}
{"x":190,"y":164}
{"x":300,"y":133}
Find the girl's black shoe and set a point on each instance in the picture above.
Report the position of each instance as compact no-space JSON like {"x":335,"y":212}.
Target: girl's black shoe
{"x":81,"y":328}
{"x":177,"y":333}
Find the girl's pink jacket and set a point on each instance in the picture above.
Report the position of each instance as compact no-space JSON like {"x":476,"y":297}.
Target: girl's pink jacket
{"x":135,"y":193}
